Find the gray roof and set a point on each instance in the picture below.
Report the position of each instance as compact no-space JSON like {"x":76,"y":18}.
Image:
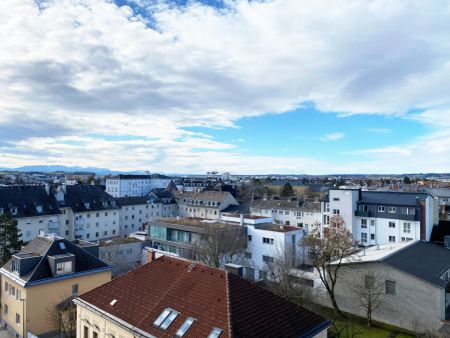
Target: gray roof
{"x":77,"y":196}
{"x":48,"y":246}
{"x":285,"y":204}
{"x":26,"y":199}
{"x":424,"y":260}
{"x":392,"y":198}
{"x":135,"y":200}
{"x":439,"y":192}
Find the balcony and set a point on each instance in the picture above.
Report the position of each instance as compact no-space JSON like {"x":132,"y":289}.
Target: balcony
{"x":359,"y":213}
{"x":53,"y":225}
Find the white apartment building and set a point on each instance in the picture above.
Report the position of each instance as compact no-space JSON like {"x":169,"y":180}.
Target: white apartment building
{"x":378,"y":217}
{"x":137,"y":185}
{"x":204,"y":204}
{"x":289,"y":211}
{"x":73,"y":212}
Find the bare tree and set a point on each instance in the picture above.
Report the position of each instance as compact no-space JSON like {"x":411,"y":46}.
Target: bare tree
{"x":327,"y":254}
{"x":113,"y":254}
{"x":63,"y":317}
{"x":369,"y":288}
{"x":280,"y":272}
{"x":218,"y":246}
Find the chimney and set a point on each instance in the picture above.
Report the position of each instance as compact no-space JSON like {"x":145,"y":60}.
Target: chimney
{"x":241,"y":220}
{"x":234,"y":269}
{"x":47,"y":188}
{"x":151,"y":256}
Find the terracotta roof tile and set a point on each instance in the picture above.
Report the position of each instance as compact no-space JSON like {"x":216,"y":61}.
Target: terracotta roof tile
{"x":215,"y":298}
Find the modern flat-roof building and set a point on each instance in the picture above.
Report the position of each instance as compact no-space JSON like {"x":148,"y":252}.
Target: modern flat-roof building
{"x":173,"y":297}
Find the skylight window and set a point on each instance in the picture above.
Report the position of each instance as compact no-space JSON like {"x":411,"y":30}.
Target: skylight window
{"x":169,"y":320}
{"x":114,"y":301}
{"x":162,"y":316}
{"x":62,"y":246}
{"x":215,"y":333}
{"x":184,"y":327}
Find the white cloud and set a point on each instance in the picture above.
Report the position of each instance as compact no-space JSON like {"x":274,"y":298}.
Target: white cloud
{"x":336,"y":136}
{"x":88,"y":68}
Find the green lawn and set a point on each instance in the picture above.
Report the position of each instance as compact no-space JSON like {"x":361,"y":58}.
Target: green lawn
{"x":356,"y":329}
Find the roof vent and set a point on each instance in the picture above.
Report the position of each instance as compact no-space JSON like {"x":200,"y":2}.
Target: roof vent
{"x":114,"y":301}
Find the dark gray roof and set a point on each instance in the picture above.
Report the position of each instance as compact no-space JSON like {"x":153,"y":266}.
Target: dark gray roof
{"x":424,"y":260}
{"x":26,"y":199}
{"x":48,"y":246}
{"x":392,"y":198}
{"x":138,"y":177}
{"x":78,"y":195}
{"x":300,"y":205}
{"x":124,"y":201}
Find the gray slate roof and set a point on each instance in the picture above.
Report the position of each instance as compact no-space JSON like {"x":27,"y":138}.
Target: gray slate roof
{"x":135,"y":200}
{"x":392,"y":198}
{"x":79,"y":194}
{"x":48,"y":246}
{"x":424,"y":260}
{"x":26,"y":199}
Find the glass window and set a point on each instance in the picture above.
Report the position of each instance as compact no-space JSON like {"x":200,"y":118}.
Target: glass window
{"x":85,"y":332}
{"x":169,"y":320}
{"x":215,"y":333}
{"x":390,"y":287}
{"x":184,"y":327}
{"x":161,"y":317}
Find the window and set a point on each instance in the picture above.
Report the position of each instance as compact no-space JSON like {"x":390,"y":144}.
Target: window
{"x":267,"y":259}
{"x":248,"y":255}
{"x":391,"y":224}
{"x":363,"y":208}
{"x":215,"y":333}
{"x":75,"y":290}
{"x":335,"y":199}
{"x":392,"y":210}
{"x":184,"y":327}
{"x":62,"y":245}
{"x":67,"y":222}
{"x":85,"y":332}
{"x":14,"y":266}
{"x":372,"y":237}
{"x":390,"y":287}
{"x":5,"y":309}
{"x":17,"y":319}
{"x":336,"y":212}
{"x":266,"y":240}
{"x":249,"y":238}
{"x":407,"y":227}
{"x":392,"y":239}
{"x":364,"y":223}
{"x":381,"y":208}
{"x":363,"y":237}
{"x":369,"y":281}
{"x":6,"y":286}
{"x":165,"y":318}
{"x":94,"y":334}
{"x":63,"y":267}
{"x":372,"y":222}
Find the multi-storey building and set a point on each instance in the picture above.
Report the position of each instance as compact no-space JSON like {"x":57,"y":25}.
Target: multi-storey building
{"x":162,"y":204}
{"x":181,"y":235}
{"x":173,"y":297}
{"x":376,"y":217}
{"x":74,"y":212}
{"x":204,"y":204}
{"x":289,"y":211}
{"x":46,"y":272}
{"x":137,"y":185}
{"x":443,"y":194}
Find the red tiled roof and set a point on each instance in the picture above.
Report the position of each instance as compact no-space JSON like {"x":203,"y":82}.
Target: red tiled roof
{"x":215,"y":298}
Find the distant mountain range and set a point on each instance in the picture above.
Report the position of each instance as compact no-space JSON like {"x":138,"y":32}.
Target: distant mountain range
{"x":62,"y":168}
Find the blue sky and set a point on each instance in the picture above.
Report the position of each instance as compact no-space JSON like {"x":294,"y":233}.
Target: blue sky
{"x":282,"y":86}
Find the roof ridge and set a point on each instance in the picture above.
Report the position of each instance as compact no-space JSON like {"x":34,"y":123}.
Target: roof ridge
{"x":229,"y":314}
{"x":400,"y":250}
{"x":41,"y":260}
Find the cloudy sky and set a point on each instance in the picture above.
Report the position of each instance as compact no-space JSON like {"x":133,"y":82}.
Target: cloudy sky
{"x":281,"y":86}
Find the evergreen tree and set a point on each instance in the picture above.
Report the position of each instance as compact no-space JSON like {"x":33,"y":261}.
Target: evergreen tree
{"x":407,"y":180}
{"x":287,"y":190}
{"x":10,"y":241}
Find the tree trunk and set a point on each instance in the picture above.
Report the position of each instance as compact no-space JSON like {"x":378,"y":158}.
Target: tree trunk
{"x":336,"y":308}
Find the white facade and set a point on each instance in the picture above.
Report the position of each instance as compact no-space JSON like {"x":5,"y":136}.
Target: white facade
{"x":207,"y":205}
{"x":139,"y":185}
{"x":95,"y":225}
{"x":264,"y":245}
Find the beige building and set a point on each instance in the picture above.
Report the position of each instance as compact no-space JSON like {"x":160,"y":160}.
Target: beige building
{"x":204,"y":204}
{"x":46,"y":272}
{"x":173,"y":297}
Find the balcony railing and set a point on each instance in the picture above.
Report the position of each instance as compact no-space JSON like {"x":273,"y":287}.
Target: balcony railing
{"x":360,"y":213}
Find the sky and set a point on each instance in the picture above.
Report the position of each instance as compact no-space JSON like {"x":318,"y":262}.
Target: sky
{"x":247,"y":87}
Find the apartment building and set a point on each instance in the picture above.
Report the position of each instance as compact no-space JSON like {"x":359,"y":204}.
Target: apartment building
{"x":443,"y":195}
{"x":74,"y":212}
{"x":289,"y":211}
{"x":204,"y":204}
{"x":181,"y":235}
{"x":47,"y":271}
{"x":173,"y":297}
{"x":137,"y":185}
{"x":378,"y":217}
{"x":162,"y":204}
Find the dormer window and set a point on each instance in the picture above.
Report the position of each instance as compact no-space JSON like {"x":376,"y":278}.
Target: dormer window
{"x":87,"y":205}
{"x":105,"y":204}
{"x":14,"y":210}
{"x":39,"y":209}
{"x":1,"y":211}
{"x":63,"y":267}
{"x":14,"y":266}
